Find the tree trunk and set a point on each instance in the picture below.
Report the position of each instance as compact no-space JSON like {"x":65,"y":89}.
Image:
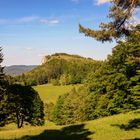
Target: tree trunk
{"x":19,"y":120}
{"x":21,"y":124}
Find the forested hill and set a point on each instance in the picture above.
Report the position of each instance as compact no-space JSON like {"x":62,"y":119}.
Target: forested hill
{"x":60,"y":69}
{"x":15,"y":70}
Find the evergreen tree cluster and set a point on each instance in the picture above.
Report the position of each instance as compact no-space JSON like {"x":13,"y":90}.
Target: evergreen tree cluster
{"x":3,"y":97}
{"x":113,"y":88}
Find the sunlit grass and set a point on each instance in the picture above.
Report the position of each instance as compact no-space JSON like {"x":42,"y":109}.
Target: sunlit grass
{"x":50,"y":93}
{"x":108,"y":128}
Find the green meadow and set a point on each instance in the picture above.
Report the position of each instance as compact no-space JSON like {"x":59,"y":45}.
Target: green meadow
{"x":50,"y":93}
{"x":124,"y":126}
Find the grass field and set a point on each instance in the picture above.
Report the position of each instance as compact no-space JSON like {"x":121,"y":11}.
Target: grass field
{"x":118,"y":127}
{"x":50,"y":93}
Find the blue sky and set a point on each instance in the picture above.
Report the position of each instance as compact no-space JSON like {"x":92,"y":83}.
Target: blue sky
{"x":31,"y":29}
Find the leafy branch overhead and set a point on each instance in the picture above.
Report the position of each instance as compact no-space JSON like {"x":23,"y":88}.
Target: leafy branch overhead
{"x":120,"y":12}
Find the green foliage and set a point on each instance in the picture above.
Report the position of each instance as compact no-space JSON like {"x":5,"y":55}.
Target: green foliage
{"x":55,"y":82}
{"x":25,"y":105}
{"x":70,"y":108}
{"x":135,"y":89}
{"x":120,"y":12}
{"x":3,"y":93}
{"x":111,"y":89}
{"x":65,"y":79}
{"x":58,"y":112}
{"x":58,"y":69}
{"x":48,"y":109}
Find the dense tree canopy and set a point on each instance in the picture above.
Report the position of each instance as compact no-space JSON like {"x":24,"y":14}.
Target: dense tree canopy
{"x":3,"y":96}
{"x":25,"y":105}
{"x":2,"y":82}
{"x":113,"y":88}
{"x":120,"y":12}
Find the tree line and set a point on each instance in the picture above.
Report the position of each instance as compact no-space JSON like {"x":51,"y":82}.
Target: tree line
{"x":111,"y":89}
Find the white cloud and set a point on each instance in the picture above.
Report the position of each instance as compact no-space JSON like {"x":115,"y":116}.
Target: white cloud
{"x":28,"y":20}
{"x":50,"y":22}
{"x":54,"y":21}
{"x":3,"y":21}
{"x":100,"y":2}
{"x":29,"y":49}
{"x":22,"y":20}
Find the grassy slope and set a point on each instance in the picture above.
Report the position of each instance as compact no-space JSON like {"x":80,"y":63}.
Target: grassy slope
{"x":117,"y":127}
{"x":50,"y":93}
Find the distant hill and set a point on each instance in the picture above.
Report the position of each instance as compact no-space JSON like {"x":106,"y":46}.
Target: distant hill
{"x":15,"y":70}
{"x":60,"y":69}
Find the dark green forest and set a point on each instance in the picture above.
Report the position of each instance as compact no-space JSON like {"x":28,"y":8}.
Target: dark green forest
{"x":111,"y":89}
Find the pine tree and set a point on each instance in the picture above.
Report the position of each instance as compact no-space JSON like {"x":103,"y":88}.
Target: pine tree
{"x":2,"y":93}
{"x":120,"y":12}
{"x":1,"y":69}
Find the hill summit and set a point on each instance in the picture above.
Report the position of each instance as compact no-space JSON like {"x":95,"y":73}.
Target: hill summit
{"x":64,"y":56}
{"x":60,"y":69}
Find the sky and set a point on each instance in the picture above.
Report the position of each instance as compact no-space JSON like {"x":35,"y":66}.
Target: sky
{"x":31,"y":29}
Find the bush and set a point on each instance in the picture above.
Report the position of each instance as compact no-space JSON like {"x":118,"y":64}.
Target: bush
{"x":55,"y":82}
{"x":49,"y":108}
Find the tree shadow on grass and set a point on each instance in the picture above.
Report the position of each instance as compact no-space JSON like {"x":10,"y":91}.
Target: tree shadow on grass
{"x":137,"y":112}
{"x":135,"y":139}
{"x":132,"y":124}
{"x":74,"y":132}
